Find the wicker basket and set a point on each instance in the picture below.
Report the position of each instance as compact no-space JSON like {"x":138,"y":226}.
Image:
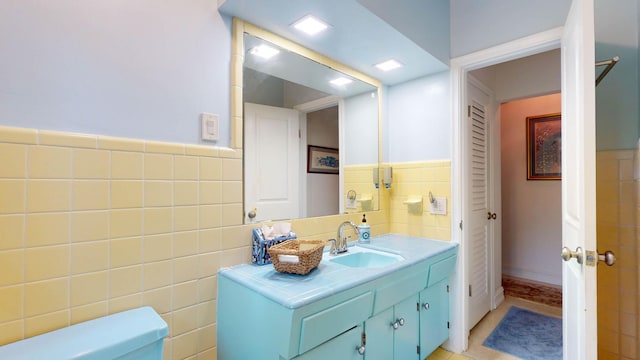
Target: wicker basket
{"x":309,"y":253}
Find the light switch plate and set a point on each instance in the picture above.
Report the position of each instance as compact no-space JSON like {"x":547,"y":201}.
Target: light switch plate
{"x":439,"y":206}
{"x":209,"y":123}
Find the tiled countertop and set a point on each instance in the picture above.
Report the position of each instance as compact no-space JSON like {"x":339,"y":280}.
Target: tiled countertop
{"x":293,"y":291}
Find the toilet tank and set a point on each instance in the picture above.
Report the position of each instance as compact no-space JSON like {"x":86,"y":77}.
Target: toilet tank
{"x":133,"y":334}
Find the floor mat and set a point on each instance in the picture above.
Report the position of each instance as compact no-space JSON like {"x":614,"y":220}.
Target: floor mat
{"x":527,"y":335}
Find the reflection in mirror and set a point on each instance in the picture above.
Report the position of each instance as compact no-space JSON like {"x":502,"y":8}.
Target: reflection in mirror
{"x":309,"y":145}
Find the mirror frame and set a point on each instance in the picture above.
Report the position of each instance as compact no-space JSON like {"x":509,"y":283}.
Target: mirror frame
{"x":240,"y":27}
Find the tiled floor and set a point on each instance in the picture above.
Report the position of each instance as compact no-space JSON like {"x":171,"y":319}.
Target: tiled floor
{"x":485,"y":327}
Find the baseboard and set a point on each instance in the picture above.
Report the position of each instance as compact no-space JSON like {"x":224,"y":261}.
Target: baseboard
{"x":498,"y":297}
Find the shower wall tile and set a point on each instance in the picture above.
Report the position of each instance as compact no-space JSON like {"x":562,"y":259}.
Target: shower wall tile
{"x":617,"y":228}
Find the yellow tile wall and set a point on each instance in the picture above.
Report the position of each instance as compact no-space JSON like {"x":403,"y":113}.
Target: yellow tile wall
{"x":617,"y":195}
{"x":93,"y":225}
{"x":417,"y":179}
{"x":359,"y":178}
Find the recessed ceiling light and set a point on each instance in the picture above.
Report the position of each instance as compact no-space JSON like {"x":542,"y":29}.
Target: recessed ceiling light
{"x":310,"y":25}
{"x":341,"y":81}
{"x":264,"y":51}
{"x":388,"y":65}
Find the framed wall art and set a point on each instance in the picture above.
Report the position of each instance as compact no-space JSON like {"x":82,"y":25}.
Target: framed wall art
{"x":544,"y":147}
{"x":322,"y":160}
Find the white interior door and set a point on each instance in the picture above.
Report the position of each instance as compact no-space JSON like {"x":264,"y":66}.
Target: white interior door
{"x":578,"y":181}
{"x":272,"y":166}
{"x":477,"y":177}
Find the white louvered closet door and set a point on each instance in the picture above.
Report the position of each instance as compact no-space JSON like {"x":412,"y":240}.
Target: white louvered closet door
{"x":478,"y":202}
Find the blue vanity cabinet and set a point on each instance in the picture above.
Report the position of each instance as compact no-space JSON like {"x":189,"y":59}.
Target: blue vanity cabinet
{"x":434,"y":317}
{"x":337,"y":311}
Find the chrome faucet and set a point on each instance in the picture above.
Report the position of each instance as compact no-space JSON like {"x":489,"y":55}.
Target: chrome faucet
{"x":339,"y":245}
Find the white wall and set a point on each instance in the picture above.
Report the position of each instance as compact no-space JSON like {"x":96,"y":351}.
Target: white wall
{"x":143,"y":69}
{"x":532,"y":218}
{"x":419,"y":119}
{"x":526,"y":77}
{"x":323,"y":190}
{"x":531,"y":76}
{"x":361,"y":129}
{"x":477,"y":25}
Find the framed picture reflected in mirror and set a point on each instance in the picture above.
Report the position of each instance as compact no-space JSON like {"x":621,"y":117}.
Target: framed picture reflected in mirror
{"x":322,"y":160}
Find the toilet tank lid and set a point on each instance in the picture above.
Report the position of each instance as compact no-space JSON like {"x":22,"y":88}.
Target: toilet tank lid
{"x":102,"y":338}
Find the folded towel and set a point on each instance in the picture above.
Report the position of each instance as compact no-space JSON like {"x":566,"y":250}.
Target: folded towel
{"x":293,"y":259}
{"x":271,"y":232}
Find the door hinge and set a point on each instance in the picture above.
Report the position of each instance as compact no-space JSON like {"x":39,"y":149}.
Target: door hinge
{"x":299,"y":134}
{"x":418,"y":349}
{"x":448,"y":325}
{"x":447,"y":288}
{"x":460,"y":224}
{"x":417,"y":306}
{"x":468,"y":110}
{"x":470,"y":292}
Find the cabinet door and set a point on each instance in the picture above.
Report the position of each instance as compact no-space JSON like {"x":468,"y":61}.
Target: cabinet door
{"x":343,"y":346}
{"x":406,"y":336}
{"x":434,"y":318}
{"x":379,"y":338}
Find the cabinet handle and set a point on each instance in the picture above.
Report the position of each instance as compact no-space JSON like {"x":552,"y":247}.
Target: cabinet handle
{"x":425,"y":306}
{"x":398,"y":323}
{"x":360,"y":349}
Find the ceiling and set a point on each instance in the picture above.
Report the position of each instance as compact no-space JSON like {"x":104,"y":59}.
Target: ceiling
{"x":356,"y":36}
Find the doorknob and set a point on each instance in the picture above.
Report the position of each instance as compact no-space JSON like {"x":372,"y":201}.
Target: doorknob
{"x":252,"y":214}
{"x":568,"y":254}
{"x":608,"y":257}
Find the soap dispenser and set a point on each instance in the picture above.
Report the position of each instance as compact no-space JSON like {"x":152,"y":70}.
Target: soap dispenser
{"x":365,"y":231}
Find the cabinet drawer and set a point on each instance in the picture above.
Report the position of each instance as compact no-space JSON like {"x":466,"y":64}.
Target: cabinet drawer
{"x":326,"y":324}
{"x":343,"y":347}
{"x":441,"y":270}
{"x":399,"y":290}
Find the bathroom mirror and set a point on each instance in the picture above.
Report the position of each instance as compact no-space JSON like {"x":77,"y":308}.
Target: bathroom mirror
{"x":309,"y":145}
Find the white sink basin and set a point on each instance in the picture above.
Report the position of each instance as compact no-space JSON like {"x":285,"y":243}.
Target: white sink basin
{"x":360,"y":257}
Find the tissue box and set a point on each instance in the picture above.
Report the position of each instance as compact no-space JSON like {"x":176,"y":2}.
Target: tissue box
{"x":260,"y":245}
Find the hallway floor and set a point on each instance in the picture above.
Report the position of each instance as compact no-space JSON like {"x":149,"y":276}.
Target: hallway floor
{"x":480,"y":332}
